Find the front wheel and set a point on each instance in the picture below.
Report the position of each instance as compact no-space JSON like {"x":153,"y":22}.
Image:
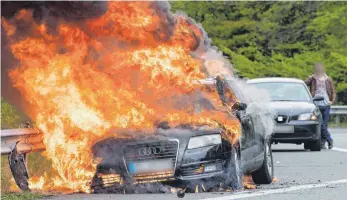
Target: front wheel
{"x":314,"y":146}
{"x":307,"y":146}
{"x":265,"y":173}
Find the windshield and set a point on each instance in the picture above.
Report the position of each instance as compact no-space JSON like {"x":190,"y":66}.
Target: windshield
{"x":285,"y":91}
{"x":203,"y":99}
{"x":195,"y":102}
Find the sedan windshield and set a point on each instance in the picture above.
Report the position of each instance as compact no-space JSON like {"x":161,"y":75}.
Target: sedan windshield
{"x":285,"y":91}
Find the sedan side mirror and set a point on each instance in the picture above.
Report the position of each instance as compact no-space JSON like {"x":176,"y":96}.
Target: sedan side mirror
{"x":239,"y":106}
{"x":318,"y":98}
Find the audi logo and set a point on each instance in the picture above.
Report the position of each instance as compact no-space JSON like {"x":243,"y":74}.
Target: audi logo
{"x":147,"y":151}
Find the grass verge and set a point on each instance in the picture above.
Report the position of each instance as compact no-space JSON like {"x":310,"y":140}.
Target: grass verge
{"x":341,"y":125}
{"x":37,"y":166}
{"x":21,"y":196}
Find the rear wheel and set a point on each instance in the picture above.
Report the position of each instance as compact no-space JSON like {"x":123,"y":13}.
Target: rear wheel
{"x":265,"y":173}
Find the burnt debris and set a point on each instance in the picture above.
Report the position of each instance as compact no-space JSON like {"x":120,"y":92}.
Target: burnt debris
{"x":18,"y":169}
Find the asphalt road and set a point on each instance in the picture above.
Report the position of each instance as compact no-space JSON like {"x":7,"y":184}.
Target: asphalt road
{"x":302,"y":175}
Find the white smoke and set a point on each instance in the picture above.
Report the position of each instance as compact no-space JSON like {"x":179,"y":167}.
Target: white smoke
{"x":258,"y":107}
{"x":215,"y":63}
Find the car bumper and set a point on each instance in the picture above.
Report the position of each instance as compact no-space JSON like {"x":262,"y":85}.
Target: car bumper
{"x":304,"y":131}
{"x":202,"y":165}
{"x":191,"y":175}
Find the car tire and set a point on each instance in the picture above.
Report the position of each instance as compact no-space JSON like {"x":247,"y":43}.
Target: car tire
{"x":307,"y":146}
{"x":264,"y":174}
{"x":234,"y":172}
{"x":316,"y":145}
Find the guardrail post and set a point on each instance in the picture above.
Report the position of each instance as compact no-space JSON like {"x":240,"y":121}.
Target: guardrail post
{"x":337,"y":120}
{"x":337,"y":111}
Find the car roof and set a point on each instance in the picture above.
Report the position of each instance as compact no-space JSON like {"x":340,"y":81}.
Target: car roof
{"x":206,"y":81}
{"x":275,"y":80}
{"x":210,"y":80}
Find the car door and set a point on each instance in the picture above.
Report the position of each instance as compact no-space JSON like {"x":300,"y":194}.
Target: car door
{"x":246,"y":139}
{"x":248,"y":135}
{"x":252,"y":129}
{"x":257,"y":147}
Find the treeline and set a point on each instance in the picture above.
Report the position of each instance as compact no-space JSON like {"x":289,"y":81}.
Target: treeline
{"x":277,"y":38}
{"x":10,"y":116}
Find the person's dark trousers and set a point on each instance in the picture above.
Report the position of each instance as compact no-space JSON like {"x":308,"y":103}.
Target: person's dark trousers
{"x":325,"y":110}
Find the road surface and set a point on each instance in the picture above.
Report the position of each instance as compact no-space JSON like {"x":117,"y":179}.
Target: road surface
{"x":301,"y":175}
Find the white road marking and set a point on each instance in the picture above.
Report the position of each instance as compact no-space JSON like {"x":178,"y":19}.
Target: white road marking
{"x":339,"y":149}
{"x":243,"y":195}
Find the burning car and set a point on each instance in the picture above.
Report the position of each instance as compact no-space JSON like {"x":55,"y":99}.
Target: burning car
{"x":187,"y":155}
{"x":123,"y":68}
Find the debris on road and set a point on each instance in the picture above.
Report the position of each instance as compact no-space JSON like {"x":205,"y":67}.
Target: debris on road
{"x":18,"y":169}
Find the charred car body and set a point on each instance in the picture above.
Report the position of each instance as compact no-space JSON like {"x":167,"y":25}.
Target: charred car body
{"x":185,"y":156}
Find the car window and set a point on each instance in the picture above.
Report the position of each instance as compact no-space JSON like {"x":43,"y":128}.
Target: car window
{"x":195,"y":102}
{"x":285,"y":91}
{"x":202,"y":104}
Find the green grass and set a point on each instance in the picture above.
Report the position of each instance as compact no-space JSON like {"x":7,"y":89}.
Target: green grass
{"x":343,"y":122}
{"x":333,"y":125}
{"x":5,"y":174}
{"x":21,"y":196}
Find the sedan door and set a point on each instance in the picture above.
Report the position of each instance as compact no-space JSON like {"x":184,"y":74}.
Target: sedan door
{"x":252,"y":143}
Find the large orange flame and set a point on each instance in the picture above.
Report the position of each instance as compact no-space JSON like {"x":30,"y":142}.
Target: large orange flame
{"x":117,"y":70}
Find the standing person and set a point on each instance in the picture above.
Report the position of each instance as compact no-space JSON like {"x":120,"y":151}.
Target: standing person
{"x":322,"y":85}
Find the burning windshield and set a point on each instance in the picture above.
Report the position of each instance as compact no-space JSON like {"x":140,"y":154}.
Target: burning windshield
{"x":203,"y":99}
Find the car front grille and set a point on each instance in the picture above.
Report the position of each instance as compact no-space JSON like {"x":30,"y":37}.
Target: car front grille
{"x":105,"y":183}
{"x":192,"y":170}
{"x":151,"y":151}
{"x":196,"y":169}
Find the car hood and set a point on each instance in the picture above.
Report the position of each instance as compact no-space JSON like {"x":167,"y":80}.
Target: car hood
{"x":107,"y":146}
{"x":291,"y":108}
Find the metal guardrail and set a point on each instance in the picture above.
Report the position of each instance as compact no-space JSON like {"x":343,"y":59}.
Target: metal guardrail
{"x":338,"y":111}
{"x":26,"y":139}
{"x":16,"y":143}
{"x":30,"y":139}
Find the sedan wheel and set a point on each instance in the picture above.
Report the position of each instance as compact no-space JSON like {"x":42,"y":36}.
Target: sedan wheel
{"x":264,"y":174}
{"x":316,"y":146}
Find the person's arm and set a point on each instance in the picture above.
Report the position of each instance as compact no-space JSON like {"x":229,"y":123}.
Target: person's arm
{"x":309,"y":79}
{"x":333,"y":91}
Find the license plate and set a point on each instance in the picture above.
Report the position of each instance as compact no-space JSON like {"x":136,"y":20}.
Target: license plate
{"x":138,"y":167}
{"x":284,"y":129}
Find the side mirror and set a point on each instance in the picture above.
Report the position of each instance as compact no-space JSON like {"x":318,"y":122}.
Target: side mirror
{"x":243,"y":106}
{"x":318,"y":98}
{"x":239,"y":106}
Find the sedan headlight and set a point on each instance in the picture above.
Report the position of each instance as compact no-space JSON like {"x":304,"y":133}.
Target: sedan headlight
{"x":307,"y":117}
{"x":206,"y":140}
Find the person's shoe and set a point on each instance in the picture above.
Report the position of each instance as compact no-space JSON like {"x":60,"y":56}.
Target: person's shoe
{"x":323,"y":146}
{"x":330,"y":144}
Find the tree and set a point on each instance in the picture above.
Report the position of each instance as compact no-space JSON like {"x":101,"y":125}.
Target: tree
{"x":277,"y":38}
{"x":10,"y":117}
